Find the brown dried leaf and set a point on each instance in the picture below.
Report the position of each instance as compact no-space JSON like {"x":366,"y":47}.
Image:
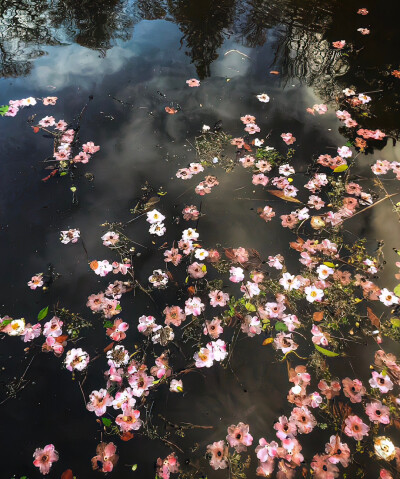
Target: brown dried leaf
{"x":109,"y":347}
{"x":67,"y":474}
{"x":375,"y":321}
{"x":281,"y":194}
{"x":230,"y":254}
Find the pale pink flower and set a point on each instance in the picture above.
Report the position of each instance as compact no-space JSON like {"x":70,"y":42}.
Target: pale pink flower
{"x":36,"y":281}
{"x":98,"y":402}
{"x":174,"y":315}
{"x":267,"y":214}
{"x":44,"y":458}
{"x":377,"y":412}
{"x":193,"y":82}
{"x":218,"y":298}
{"x":213,"y":328}
{"x":90,"y":147}
{"x":239,"y":437}
{"x":383,"y":383}
{"x":76,"y":359}
{"x":303,"y":419}
{"x":323,"y":468}
{"x":219,"y":455}
{"x":236,"y":274}
{"x":288,"y":138}
{"x":285,"y":428}
{"x":129,"y":419}
{"x":339,"y":44}
{"x":355,"y":428}
{"x":204,"y":358}
{"x":50,"y":100}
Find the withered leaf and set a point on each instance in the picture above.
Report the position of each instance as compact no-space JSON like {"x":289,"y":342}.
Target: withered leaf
{"x":375,"y":321}
{"x":281,"y":194}
{"x":318,"y":316}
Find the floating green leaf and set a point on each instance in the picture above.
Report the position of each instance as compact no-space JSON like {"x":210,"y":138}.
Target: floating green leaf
{"x":329,"y":264}
{"x":73,"y":189}
{"x":250,"y":307}
{"x":326,"y":352}
{"x":106,"y":421}
{"x":280,"y":326}
{"x":340,"y":168}
{"x":134,"y":467}
{"x":395,"y":322}
{"x":4,"y":109}
{"x":396,"y":290}
{"x":63,"y":173}
{"x":43,"y":313}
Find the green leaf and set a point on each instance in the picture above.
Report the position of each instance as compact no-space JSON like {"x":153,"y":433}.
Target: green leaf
{"x":63,"y":173}
{"x":340,"y":168}
{"x":4,"y":109}
{"x":73,"y":189}
{"x":280,"y":326}
{"x":134,"y":467}
{"x":396,"y":290}
{"x":108,"y":324}
{"x":329,"y":264}
{"x":395,"y":322}
{"x":118,"y":307}
{"x":349,"y":143}
{"x":5,"y":322}
{"x":43,"y":313}
{"x":326,"y":352}
{"x":250,"y":307}
{"x":107,"y":422}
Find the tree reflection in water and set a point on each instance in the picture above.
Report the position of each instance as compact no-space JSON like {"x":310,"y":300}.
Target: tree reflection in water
{"x":303,"y":32}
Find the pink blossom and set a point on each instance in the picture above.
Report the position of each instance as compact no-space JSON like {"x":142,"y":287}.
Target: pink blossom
{"x":383,"y":383}
{"x":193,"y":82}
{"x":105,"y":458}
{"x":44,"y":458}
{"x":355,"y":428}
{"x":98,"y":401}
{"x":288,"y":138}
{"x":239,"y":437}
{"x":219,"y":455}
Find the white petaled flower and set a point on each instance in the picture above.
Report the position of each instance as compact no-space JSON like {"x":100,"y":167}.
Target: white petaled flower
{"x":70,"y":236}
{"x":76,"y":359}
{"x":313,"y":293}
{"x":218,"y":349}
{"x":387,"y":297}
{"x":289,"y":282}
{"x":154,"y":216}
{"x":349,"y":92}
{"x":364,"y":98}
{"x":201,"y":253}
{"x":205,"y":128}
{"x":16,"y":327}
{"x":263,"y":97}
{"x":324,"y":271}
{"x":158,"y":278}
{"x":157,"y":229}
{"x":190,"y":234}
{"x":344,"y":152}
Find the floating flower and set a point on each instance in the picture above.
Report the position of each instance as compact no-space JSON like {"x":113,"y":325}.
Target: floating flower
{"x":44,"y":458}
{"x":76,"y":359}
{"x":239,"y":437}
{"x":105,"y":458}
{"x":193,"y":82}
{"x":384,"y":448}
{"x":263,"y":97}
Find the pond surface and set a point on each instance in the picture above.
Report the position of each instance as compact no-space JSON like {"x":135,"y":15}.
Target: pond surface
{"x":127,"y":61}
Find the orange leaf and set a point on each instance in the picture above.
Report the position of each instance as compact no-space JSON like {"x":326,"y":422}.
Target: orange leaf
{"x":170,"y":110}
{"x":375,"y":321}
{"x":281,"y":194}
{"x":94,"y":265}
{"x":274,"y":72}
{"x":268,"y":341}
{"x":191,"y":290}
{"x":107,"y":348}
{"x":247,"y":147}
{"x":67,"y":474}
{"x":36,"y":129}
{"x":62,"y":338}
{"x":127,"y":436}
{"x":318,"y":316}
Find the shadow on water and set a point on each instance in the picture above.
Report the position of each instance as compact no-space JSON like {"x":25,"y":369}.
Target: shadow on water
{"x":124,"y":54}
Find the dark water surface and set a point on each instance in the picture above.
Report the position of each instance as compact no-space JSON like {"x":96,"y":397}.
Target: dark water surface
{"x":141,"y":53}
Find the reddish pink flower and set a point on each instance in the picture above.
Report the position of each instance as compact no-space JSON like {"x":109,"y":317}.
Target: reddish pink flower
{"x":117,"y":331}
{"x":105,"y":458}
{"x":323,"y":469}
{"x":337,"y":451}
